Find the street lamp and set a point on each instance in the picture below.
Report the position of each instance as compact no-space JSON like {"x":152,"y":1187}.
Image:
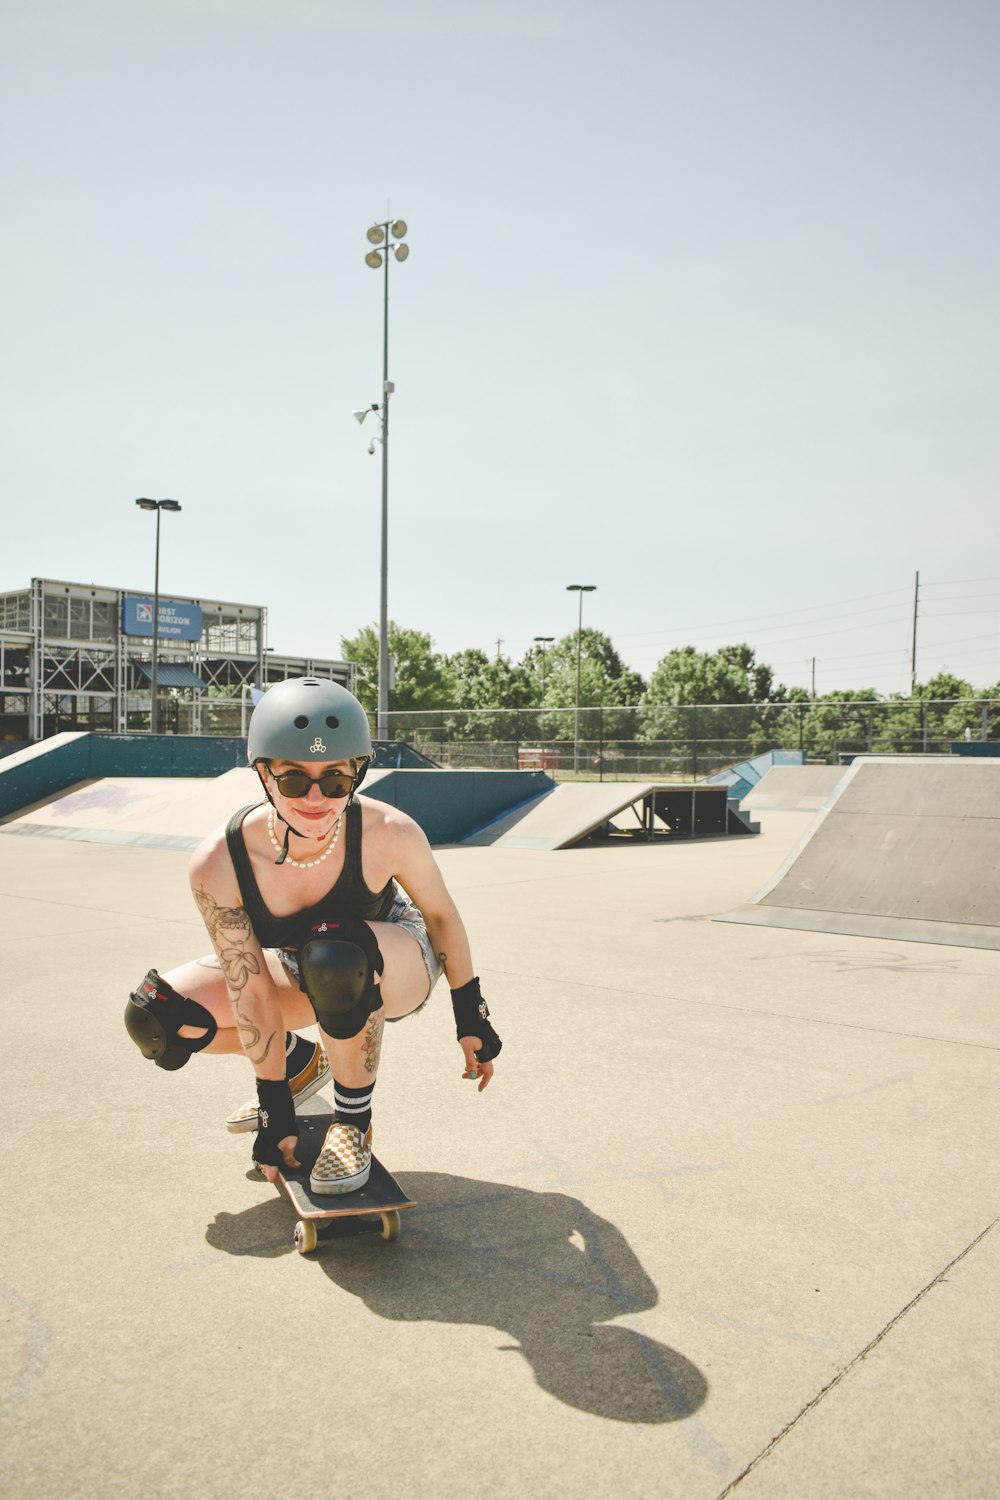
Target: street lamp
{"x":156,"y":505}
{"x":389,"y":234}
{"x":581,"y":589}
{"x":541,"y":641}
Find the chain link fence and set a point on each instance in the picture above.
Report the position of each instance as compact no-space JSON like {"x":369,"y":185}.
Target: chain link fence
{"x":689,"y":741}
{"x":669,"y":742}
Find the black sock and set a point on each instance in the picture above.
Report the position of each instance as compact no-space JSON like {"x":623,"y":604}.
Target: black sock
{"x":353,"y":1106}
{"x":298,"y":1051}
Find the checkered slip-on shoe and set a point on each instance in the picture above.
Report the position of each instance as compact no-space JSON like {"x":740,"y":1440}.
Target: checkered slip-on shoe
{"x":311,"y":1079}
{"x":345,"y":1160}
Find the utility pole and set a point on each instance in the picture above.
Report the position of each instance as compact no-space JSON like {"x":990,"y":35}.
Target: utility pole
{"x":913,"y":656}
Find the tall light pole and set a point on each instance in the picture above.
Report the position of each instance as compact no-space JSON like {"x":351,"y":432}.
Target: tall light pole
{"x":541,"y":641}
{"x":913,"y":654}
{"x":389,"y":234}
{"x":156,"y":505}
{"x":580,"y":589}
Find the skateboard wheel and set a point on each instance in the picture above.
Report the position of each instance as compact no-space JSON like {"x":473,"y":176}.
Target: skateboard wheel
{"x":390,"y":1225}
{"x":305,"y":1236}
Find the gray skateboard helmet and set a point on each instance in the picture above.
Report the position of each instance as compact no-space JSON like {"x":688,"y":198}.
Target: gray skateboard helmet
{"x":309,"y":718}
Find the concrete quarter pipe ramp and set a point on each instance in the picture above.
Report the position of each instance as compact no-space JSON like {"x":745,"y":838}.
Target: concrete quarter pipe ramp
{"x":173,"y":812}
{"x":793,"y":789}
{"x":905,"y":848}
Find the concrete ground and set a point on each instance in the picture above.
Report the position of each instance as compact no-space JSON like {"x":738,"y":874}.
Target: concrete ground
{"x":725,"y":1221}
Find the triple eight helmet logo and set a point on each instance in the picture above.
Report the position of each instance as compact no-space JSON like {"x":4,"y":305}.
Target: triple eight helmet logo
{"x":309,"y":718}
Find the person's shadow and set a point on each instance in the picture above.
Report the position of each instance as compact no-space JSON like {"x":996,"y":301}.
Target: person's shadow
{"x":540,"y":1266}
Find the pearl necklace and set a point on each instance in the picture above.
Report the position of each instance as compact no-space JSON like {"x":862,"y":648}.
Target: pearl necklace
{"x":303,"y":864}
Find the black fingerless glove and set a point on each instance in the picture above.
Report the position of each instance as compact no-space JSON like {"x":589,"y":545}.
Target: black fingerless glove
{"x":277,"y":1119}
{"x":472,"y":1019}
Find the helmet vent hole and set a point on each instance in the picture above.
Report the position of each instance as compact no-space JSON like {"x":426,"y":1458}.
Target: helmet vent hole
{"x":332,"y":721}
{"x":301,"y":722}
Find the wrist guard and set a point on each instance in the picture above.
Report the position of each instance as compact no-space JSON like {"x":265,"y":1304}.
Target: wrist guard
{"x":277,"y":1119}
{"x":472,"y":1019}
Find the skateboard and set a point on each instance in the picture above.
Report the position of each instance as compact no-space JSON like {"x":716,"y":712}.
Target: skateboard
{"x":338,"y":1215}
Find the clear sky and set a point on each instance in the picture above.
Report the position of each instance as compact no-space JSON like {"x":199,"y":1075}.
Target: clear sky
{"x":701,"y":308}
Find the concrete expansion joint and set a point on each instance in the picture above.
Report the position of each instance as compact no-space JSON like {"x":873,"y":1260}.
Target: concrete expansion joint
{"x":862,"y":1355}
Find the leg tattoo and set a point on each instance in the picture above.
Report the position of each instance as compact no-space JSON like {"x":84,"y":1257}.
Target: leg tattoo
{"x":371,"y":1042}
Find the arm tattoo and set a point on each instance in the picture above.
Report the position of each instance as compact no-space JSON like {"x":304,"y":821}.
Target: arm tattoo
{"x":217,"y":917}
{"x":230,"y":930}
{"x":251,"y":1036}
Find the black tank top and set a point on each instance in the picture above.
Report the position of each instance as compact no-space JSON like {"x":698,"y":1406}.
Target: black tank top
{"x":348,"y":897}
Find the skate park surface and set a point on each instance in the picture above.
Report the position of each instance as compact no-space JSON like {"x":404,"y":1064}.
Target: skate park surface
{"x":725,"y":1222}
{"x":904,"y":847}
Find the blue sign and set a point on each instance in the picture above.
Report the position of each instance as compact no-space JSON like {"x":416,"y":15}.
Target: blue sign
{"x":177,"y":621}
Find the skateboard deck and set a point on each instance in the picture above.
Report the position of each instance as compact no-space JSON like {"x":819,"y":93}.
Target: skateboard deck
{"x":374,"y":1207}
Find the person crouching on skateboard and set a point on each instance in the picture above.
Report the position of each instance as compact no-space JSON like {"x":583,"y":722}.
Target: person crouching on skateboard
{"x":322,"y":906}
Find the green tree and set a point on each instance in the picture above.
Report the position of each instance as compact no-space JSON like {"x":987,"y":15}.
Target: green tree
{"x":951,"y":707}
{"x":606,"y":683}
{"x":838,"y":723}
{"x":730,"y":675}
{"x":991,"y":701}
{"x":478,"y":681}
{"x":484,"y":695}
{"x":686,"y":682}
{"x":860,"y":720}
{"x":945,"y":687}
{"x":421,"y":678}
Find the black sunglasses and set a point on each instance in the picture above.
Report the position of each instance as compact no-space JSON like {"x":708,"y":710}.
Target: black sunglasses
{"x":297,"y":783}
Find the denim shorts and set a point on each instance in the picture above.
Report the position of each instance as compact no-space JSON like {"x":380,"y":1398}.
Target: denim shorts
{"x":403,"y":914}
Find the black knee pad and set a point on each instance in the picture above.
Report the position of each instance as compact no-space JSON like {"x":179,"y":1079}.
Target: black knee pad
{"x":153,"y":1018}
{"x":338,"y":969}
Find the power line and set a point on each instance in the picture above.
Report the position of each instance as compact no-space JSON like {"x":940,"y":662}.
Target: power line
{"x":890,"y":654}
{"x":769,"y":632}
{"x":964,"y":598}
{"x":891,"y":651}
{"x":777,"y":615}
{"x":965,"y":614}
{"x":806,"y":638}
{"x":800,"y":614}
{"x":947,"y":583}
{"x":827,"y":634}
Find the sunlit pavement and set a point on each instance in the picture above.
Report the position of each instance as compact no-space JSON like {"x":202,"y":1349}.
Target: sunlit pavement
{"x":725,"y":1219}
